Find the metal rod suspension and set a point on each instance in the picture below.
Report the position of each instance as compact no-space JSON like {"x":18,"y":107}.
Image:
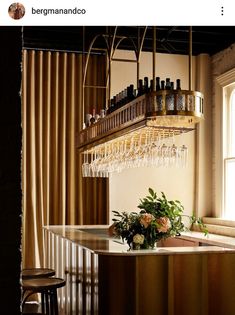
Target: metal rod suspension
{"x":154,"y":58}
{"x":82,"y":119}
{"x":138,"y":60}
{"x":190,"y":59}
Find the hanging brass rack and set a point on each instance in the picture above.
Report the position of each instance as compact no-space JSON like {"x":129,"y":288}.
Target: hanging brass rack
{"x":174,"y":110}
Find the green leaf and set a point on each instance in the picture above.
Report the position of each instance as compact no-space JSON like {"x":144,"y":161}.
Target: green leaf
{"x":151,"y":192}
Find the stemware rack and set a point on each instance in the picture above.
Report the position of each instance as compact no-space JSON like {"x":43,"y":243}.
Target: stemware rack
{"x":181,"y":110}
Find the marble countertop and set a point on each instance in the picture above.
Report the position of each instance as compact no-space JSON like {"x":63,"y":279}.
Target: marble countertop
{"x":210,"y":239}
{"x":96,"y":239}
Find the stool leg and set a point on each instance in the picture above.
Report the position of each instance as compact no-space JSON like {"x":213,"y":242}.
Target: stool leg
{"x":47,"y":303}
{"x":54,"y":302}
{"x":51,"y":303}
{"x":43,"y":302}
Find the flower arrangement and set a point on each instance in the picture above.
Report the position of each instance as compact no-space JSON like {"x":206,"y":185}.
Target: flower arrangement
{"x":158,"y":219}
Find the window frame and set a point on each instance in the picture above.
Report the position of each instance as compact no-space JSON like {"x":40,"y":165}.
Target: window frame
{"x":228,"y":154}
{"x":220,"y":139}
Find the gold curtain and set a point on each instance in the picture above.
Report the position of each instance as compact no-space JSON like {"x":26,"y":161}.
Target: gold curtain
{"x":53,"y":189}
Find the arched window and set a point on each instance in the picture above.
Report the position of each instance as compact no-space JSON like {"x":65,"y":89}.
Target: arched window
{"x":229,"y":154}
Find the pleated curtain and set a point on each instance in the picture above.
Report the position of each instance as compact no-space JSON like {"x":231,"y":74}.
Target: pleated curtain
{"x":54,"y":192}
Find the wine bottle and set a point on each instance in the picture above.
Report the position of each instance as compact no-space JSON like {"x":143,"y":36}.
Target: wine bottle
{"x":178,"y":87}
{"x":88,"y":118}
{"x":97,"y":118}
{"x":168,"y":84}
{"x":124,"y":97}
{"x":114,"y":107}
{"x":180,"y":105}
{"x":162,"y":85}
{"x":118,"y":99}
{"x":111,"y":107}
{"x":140,"y":88}
{"x":151,"y":85}
{"x":172,"y":85}
{"x":146,"y":85}
{"x":158,"y":87}
{"x":92,"y":120}
{"x":102,"y":113}
{"x":130,"y":93}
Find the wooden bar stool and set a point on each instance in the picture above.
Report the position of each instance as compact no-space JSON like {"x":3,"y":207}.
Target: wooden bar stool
{"x":31,"y":273}
{"x":48,"y":289}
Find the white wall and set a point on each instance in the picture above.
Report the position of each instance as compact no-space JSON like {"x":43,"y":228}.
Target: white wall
{"x":129,"y":186}
{"x":167,"y":65}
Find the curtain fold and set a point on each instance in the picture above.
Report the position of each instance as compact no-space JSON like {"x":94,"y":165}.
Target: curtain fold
{"x":53,"y":189}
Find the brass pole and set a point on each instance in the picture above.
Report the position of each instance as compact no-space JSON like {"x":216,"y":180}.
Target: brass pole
{"x":190,"y":59}
{"x":154,"y":57}
{"x":82,"y":119}
{"x":138,"y":73}
{"x":138,"y":60}
{"x":109,"y":75}
{"x":140,"y":47}
{"x":110,"y":51}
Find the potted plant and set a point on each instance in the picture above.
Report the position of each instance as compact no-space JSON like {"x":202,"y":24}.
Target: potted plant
{"x":158,"y":219}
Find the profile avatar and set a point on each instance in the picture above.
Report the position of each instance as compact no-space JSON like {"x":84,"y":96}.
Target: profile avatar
{"x":16,"y":11}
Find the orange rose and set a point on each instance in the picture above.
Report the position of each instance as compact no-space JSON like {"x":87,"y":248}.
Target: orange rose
{"x":146,"y":219}
{"x":164,"y":223}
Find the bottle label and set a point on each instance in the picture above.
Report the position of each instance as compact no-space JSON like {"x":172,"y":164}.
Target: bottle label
{"x":180,"y":103}
{"x":170,"y":102}
{"x":102,"y":113}
{"x":191,"y":103}
{"x":88,"y":118}
{"x":159,"y":102}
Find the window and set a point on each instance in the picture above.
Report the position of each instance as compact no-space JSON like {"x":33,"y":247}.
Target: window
{"x":229,"y":152}
{"x":223,"y":148}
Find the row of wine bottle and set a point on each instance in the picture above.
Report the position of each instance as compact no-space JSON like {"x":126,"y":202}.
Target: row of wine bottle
{"x":144,"y":86}
{"x":129,"y":93}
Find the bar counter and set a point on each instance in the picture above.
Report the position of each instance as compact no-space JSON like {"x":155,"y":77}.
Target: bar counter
{"x":180,"y":276}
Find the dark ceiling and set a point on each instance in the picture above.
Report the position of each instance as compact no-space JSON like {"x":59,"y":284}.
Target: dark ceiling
{"x":170,"y":39}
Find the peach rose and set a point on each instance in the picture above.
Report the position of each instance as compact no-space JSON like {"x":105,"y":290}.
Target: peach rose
{"x":164,"y":224}
{"x":146,"y":219}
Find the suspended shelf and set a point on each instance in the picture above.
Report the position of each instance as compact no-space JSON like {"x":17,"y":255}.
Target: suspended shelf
{"x":167,"y":109}
{"x":133,"y":135}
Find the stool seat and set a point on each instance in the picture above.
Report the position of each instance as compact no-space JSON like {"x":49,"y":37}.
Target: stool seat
{"x":37,"y":273}
{"x":39,"y":284}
